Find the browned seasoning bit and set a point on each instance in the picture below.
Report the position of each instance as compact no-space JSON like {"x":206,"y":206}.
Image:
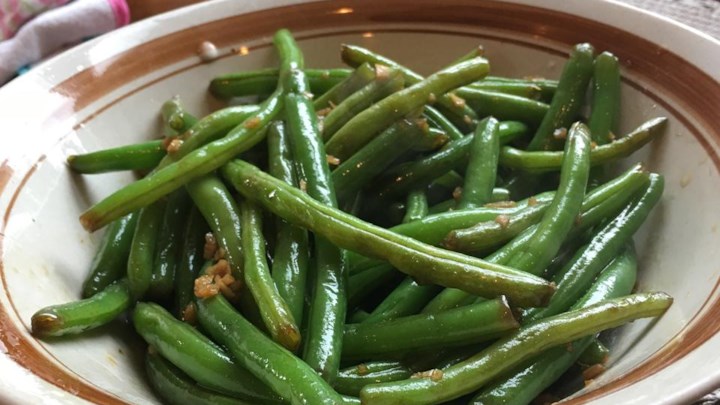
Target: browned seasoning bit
{"x":502,"y":220}
{"x":221,"y":268}
{"x":219,"y":254}
{"x":205,"y":288}
{"x":593,"y":372}
{"x":560,"y":133}
{"x":252,"y":122}
{"x":457,"y":193}
{"x":210,"y":247}
{"x":303,"y":185}
{"x":593,"y":145}
{"x":434,"y":374}
{"x":432,"y":98}
{"x":467,"y":119}
{"x":532,"y":201}
{"x":332,"y":160}
{"x":362,"y":369}
{"x":501,"y":204}
{"x":174,"y":146}
{"x":382,"y":72}
{"x":323,"y":112}
{"x":457,"y":101}
{"x":189,"y":314}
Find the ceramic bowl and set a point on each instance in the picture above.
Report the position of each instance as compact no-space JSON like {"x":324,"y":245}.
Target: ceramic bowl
{"x":107,"y":92}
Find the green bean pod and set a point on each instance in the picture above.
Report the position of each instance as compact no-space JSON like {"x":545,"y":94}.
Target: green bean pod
{"x":562,"y":211}
{"x":401,"y":179}
{"x":528,"y":381}
{"x":595,"y":353}
{"x":524,"y":89}
{"x":417,"y":259}
{"x":605,"y":114}
{"x":77,"y":317}
{"x":110,"y":261}
{"x":191,"y":260}
{"x":264,"y":81}
{"x":290,"y":258}
{"x":376,"y":156}
{"x":482,"y":166}
{"x":175,"y":387}
{"x":504,"y":106}
{"x":169,"y":239}
{"x":366,"y":125}
{"x":363,"y":284}
{"x":547,"y":86}
{"x":141,"y":258}
{"x":274,"y":311}
{"x":359,"y":78}
{"x":175,"y":119}
{"x":436,"y":118}
{"x":605,"y":245}
{"x":387,"y":81}
{"x":140,"y":156}
{"x":455,"y":327}
{"x":416,"y":207}
{"x":352,"y":379}
{"x":196,"y":355}
{"x":291,"y":378}
{"x":408,"y":298}
{"x":507,"y":353}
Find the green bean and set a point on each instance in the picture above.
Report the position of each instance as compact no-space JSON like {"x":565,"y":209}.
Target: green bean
{"x":387,"y":81}
{"x":521,"y":89}
{"x":605,"y":114}
{"x":77,"y":317}
{"x":473,"y":53}
{"x":455,"y":327}
{"x":196,"y":355}
{"x":538,"y":162}
{"x":595,"y":353}
{"x":605,"y":245}
{"x":504,"y":106}
{"x":140,"y":156}
{"x":454,"y":107}
{"x":376,"y":156}
{"x":110,"y":261}
{"x":499,"y":196}
{"x":142,"y":249}
{"x":351,"y":380}
{"x":363,"y":284}
{"x":406,"y":299}
{"x":175,"y":119}
{"x":366,"y":125}
{"x":400,"y":179}
{"x":547,"y":87}
{"x":290,"y":258}
{"x":175,"y":387}
{"x":191,"y":260}
{"x":192,"y":165}
{"x":562,"y":211}
{"x":438,"y":119}
{"x":264,"y":81}
{"x":356,"y":80}
{"x":528,"y":381}
{"x":417,"y":259}
{"x":222,"y":214}
{"x":568,"y":99}
{"x":416,"y":207}
{"x":287,"y":375}
{"x":482,"y":165}
{"x":273,"y":309}
{"x":507,"y":353}
{"x":169,"y":240}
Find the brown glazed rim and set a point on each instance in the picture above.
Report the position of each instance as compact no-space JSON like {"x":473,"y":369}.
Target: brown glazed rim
{"x":644,"y":59}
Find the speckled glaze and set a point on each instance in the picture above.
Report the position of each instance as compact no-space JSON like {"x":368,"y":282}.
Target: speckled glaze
{"x":107,"y":92}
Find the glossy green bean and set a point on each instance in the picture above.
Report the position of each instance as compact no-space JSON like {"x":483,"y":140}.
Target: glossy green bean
{"x":141,"y":258}
{"x":196,"y":355}
{"x":78,"y":316}
{"x":504,"y":106}
{"x":175,"y":119}
{"x":366,"y":125}
{"x":352,"y":379}
{"x":454,"y":107}
{"x":328,"y":300}
{"x":399,"y":180}
{"x":175,"y":387}
{"x":387,"y":81}
{"x":436,"y":118}
{"x":502,"y":356}
{"x":291,"y":254}
{"x":273,"y":309}
{"x":481,"y":169}
{"x":373,"y":158}
{"x":291,"y":378}
{"x":547,"y":86}
{"x":456,"y":327}
{"x":521,"y":89}
{"x":605,"y":114}
{"x":416,"y":207}
{"x":140,"y":156}
{"x":417,"y":259}
{"x":595,"y":353}
{"x":359,"y":78}
{"x":408,"y":298}
{"x":577,"y":275}
{"x":565,"y":207}
{"x":110,"y":261}
{"x":169,"y":240}
{"x":528,"y":381}
{"x":264,"y":81}
{"x":363,"y":284}
{"x":568,"y":99}
{"x":191,"y":260}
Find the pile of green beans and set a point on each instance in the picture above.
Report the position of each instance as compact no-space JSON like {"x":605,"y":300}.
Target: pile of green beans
{"x":352,"y":240}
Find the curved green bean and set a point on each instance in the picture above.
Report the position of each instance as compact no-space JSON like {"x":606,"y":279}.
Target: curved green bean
{"x":356,"y":80}
{"x":169,"y":240}
{"x":175,"y":119}
{"x":482,"y":165}
{"x":504,"y":106}
{"x":440,"y":121}
{"x":139,"y":156}
{"x":264,"y":81}
{"x":191,"y":260}
{"x":141,"y":258}
{"x":605,"y":114}
{"x":416,"y":207}
{"x":352,"y":379}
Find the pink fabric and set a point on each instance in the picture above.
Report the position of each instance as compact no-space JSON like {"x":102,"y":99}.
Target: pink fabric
{"x":122,"y":12}
{"x":14,"y":13}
